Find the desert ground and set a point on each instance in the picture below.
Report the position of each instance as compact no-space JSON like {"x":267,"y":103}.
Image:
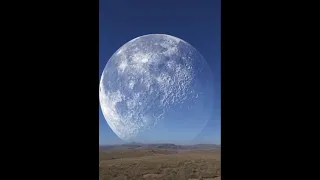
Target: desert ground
{"x":164,"y":162}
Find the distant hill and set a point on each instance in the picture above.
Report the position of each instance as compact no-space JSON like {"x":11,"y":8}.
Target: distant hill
{"x":160,"y":146}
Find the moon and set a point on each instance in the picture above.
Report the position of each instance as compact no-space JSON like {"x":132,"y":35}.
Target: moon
{"x":156,"y":88}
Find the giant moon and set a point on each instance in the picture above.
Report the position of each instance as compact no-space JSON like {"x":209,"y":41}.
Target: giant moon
{"x":156,"y":88}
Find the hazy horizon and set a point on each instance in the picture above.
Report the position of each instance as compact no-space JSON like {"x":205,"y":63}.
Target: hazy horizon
{"x":124,"y":143}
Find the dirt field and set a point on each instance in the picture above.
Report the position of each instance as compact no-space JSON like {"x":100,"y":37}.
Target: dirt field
{"x":159,"y":164}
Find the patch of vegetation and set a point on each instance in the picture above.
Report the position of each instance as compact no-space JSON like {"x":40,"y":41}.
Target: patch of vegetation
{"x":159,"y":164}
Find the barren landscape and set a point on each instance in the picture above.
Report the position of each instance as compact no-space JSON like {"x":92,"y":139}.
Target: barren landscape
{"x":159,"y":162}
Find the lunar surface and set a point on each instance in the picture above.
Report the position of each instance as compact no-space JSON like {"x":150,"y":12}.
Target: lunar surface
{"x":154,"y":88}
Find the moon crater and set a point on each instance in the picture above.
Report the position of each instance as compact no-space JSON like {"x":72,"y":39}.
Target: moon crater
{"x":145,"y":85}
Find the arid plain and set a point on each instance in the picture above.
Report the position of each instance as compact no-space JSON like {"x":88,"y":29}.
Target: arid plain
{"x":159,"y":162}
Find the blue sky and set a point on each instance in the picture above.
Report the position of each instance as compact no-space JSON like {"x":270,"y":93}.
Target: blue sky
{"x":191,"y":20}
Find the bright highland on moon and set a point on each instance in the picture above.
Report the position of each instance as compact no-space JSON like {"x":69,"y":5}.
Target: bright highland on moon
{"x":156,"y":88}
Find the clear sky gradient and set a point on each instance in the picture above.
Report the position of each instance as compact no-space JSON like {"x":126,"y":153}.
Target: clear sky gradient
{"x":195,"y":21}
